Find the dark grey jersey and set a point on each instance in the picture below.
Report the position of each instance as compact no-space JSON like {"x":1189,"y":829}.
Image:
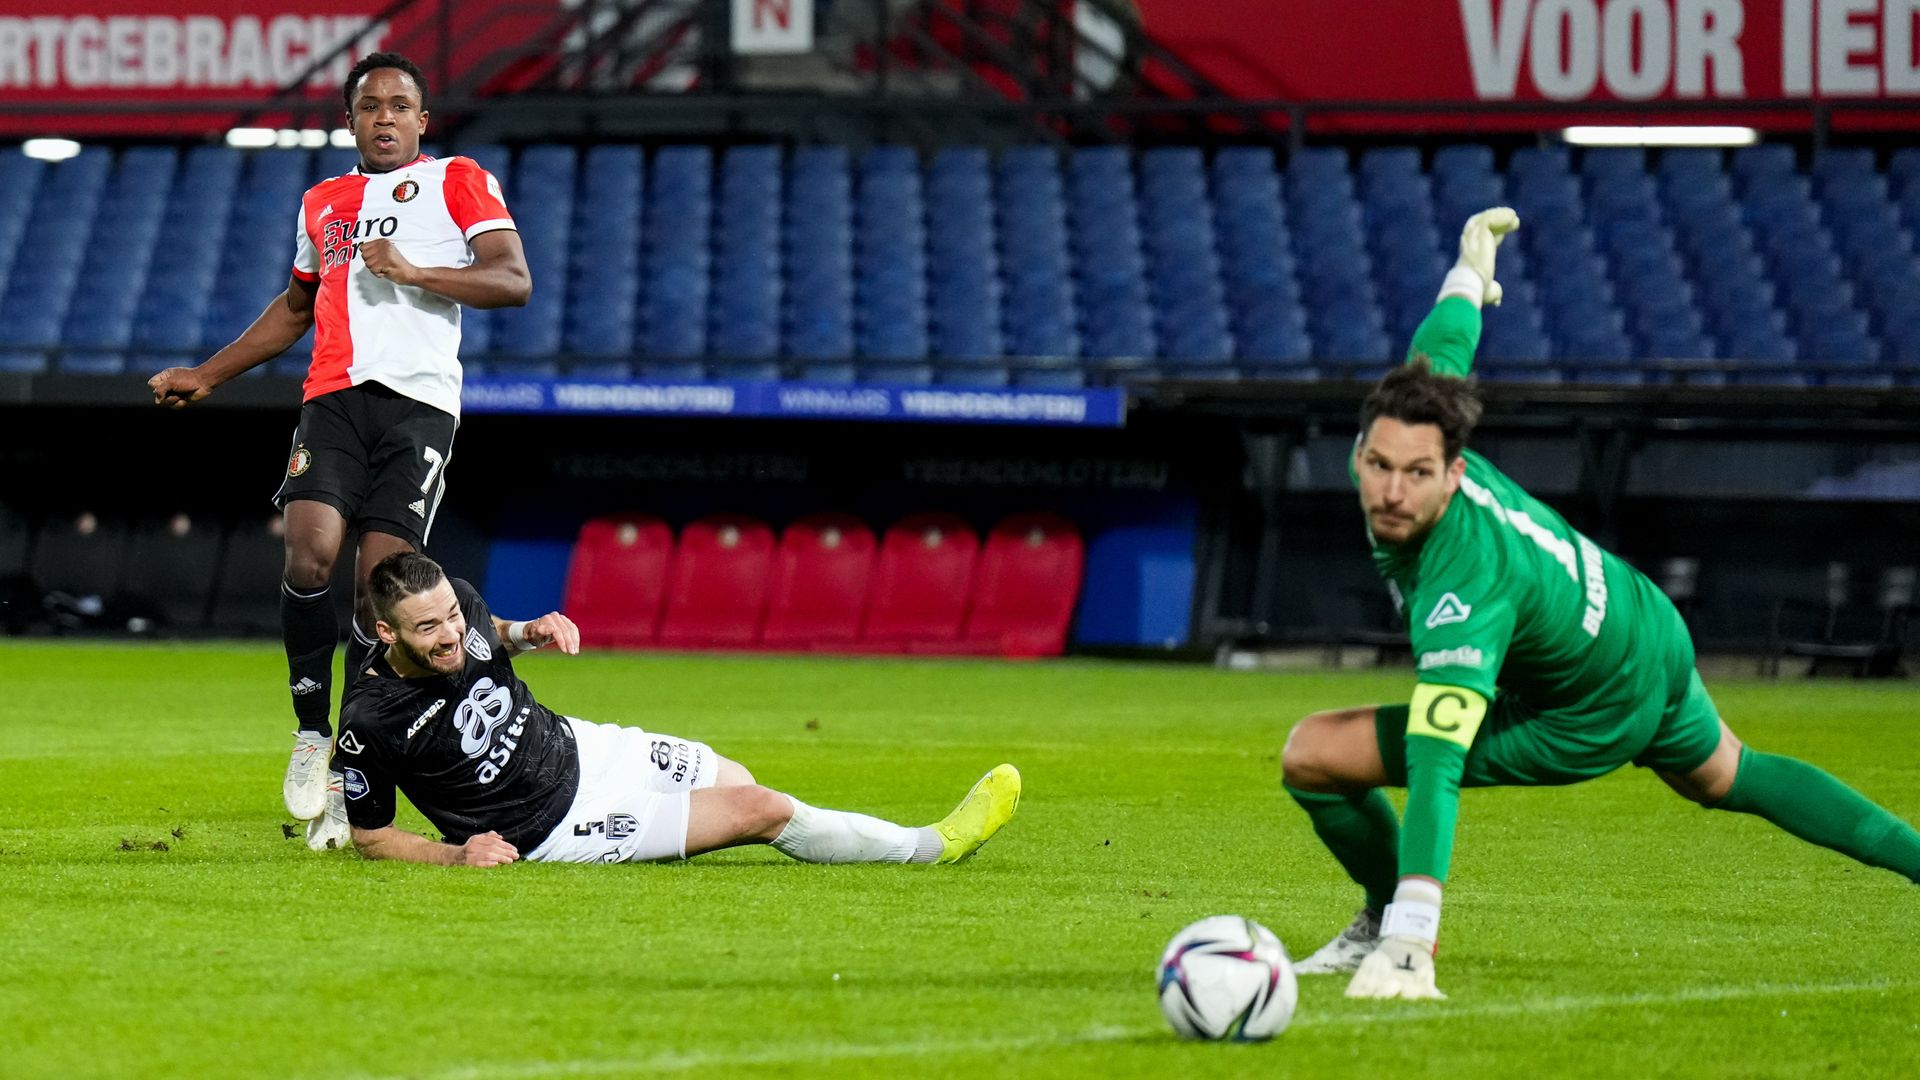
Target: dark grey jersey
{"x":474,"y":752}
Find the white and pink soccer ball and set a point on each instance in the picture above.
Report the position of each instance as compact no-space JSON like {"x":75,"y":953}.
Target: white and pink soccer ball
{"x":1227,"y":978}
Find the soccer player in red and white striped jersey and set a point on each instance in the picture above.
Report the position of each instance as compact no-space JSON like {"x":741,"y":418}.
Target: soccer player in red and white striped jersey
{"x":385,"y":257}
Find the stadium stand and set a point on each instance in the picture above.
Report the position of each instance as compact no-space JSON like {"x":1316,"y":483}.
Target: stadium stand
{"x":76,"y":563}
{"x":717,"y":589}
{"x":818,"y":587}
{"x":1025,"y":587}
{"x":1029,"y":267}
{"x":177,"y":559}
{"x":18,"y":598}
{"x":617,"y":580}
{"x":246,"y":594}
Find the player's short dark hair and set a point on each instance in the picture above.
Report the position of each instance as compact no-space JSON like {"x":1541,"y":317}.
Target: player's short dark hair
{"x":398,"y":576}
{"x":1414,"y":394}
{"x":375,"y":61}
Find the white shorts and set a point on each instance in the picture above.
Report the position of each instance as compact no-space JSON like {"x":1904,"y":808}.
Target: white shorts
{"x":633,"y":799}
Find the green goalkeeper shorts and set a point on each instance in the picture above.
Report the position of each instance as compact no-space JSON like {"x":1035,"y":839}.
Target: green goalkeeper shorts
{"x":1526,"y":747}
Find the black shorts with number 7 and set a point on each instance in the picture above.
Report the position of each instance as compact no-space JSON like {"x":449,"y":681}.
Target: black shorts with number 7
{"x":377,"y":456}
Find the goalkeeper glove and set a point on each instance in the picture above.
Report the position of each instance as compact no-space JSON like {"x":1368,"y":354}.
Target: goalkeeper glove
{"x":1472,"y":275}
{"x":1398,"y":967}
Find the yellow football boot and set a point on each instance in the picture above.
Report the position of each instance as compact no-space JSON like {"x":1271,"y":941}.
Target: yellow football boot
{"x":987,"y":807}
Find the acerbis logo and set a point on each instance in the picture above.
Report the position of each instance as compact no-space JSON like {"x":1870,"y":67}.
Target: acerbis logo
{"x":350,"y":743}
{"x":421,"y":721}
{"x":1449,"y":609}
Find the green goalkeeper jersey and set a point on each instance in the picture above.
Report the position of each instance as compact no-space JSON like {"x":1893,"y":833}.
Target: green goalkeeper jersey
{"x":1502,"y":596}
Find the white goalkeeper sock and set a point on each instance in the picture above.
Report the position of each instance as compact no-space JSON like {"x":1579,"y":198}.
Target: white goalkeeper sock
{"x":837,"y":836}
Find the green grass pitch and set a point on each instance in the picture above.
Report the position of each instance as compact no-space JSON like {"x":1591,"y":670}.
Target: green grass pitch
{"x":154,"y":921}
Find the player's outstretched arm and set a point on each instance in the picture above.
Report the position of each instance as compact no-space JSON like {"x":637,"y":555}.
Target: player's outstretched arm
{"x":1450,"y":333}
{"x":484,"y":850}
{"x":498,"y":276}
{"x":1441,"y":724}
{"x":552,"y":628}
{"x":286,"y":318}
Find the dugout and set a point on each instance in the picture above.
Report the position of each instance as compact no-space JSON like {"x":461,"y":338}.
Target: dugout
{"x":1216,"y":513}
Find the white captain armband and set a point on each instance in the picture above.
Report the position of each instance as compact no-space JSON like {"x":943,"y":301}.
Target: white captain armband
{"x":1452,"y":713}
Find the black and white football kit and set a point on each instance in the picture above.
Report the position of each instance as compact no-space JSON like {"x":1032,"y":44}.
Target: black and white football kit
{"x":475,"y":752}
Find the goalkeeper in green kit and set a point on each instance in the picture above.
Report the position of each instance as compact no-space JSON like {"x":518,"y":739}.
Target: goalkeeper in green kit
{"x":1541,"y":660}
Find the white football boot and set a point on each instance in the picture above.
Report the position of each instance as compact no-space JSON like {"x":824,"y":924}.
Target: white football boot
{"x":328,"y":829}
{"x":305,"y":788}
{"x":1346,"y":950}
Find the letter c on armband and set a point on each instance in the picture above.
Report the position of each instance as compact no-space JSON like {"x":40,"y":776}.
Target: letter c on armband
{"x":1451,"y":713}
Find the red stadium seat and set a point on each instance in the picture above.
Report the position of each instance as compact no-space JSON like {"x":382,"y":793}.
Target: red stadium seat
{"x":1024,"y":591}
{"x":819,"y":584}
{"x":617,"y":578}
{"x":717,"y":589}
{"x":920,"y":585}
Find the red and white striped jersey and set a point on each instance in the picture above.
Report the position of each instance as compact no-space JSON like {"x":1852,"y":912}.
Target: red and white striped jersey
{"x":367,"y":329}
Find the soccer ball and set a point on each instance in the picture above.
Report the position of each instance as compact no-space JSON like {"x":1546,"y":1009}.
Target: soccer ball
{"x":1227,"y":978}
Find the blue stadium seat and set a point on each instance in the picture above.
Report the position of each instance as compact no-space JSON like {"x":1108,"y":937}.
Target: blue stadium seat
{"x":1049,"y":377}
{"x":818,"y":255}
{"x":677,"y":228}
{"x":981,"y":376}
{"x":1691,"y":163}
{"x":52,"y":250}
{"x":545,"y":221}
{"x":963,"y":288}
{"x":1613,"y":162}
{"x":23,"y":361}
{"x":890,"y":243}
{"x":1837,"y":162}
{"x":1462,"y":162}
{"x":1761,"y":161}
{"x":1040,"y":317}
{"x":603,"y":268}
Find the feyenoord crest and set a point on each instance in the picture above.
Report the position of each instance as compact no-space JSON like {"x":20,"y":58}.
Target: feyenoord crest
{"x":302,"y":459}
{"x":405,"y":190}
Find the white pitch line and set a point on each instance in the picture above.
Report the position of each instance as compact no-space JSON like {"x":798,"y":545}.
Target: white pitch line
{"x":687,"y":1061}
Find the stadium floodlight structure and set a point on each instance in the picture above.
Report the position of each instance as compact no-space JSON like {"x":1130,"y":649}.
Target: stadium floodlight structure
{"x":253,"y":138}
{"x":1663,"y":135}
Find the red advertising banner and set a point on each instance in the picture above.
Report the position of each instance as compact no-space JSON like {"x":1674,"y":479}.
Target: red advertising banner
{"x":1560,"y":53}
{"x":148,"y":66}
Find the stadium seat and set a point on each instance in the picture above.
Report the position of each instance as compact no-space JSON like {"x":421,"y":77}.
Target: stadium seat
{"x":817,"y":590}
{"x":81,"y":556}
{"x":176,"y":556}
{"x":616,"y":580}
{"x":921,"y":583}
{"x":675,"y":276}
{"x":1025,"y":587}
{"x":603,"y":270}
{"x":717,"y":588}
{"x":246,"y":591}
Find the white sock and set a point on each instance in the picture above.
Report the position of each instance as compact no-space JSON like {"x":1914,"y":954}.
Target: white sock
{"x":836,"y":836}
